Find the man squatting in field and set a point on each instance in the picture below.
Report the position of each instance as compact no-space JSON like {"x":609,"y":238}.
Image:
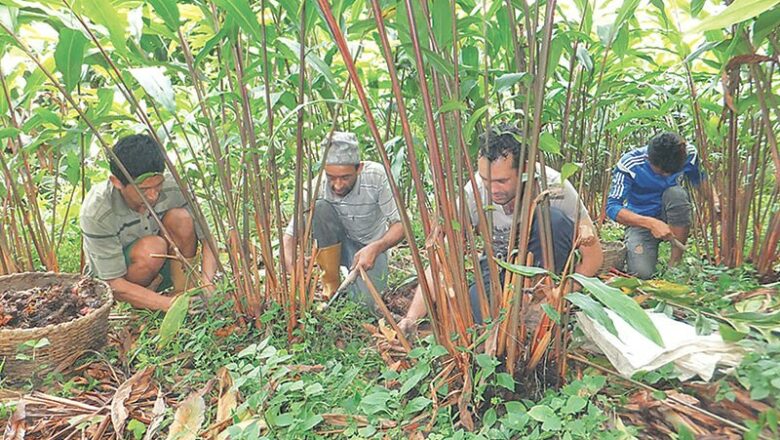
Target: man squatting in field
{"x":646,"y":195}
{"x":355,"y":219}
{"x":121,"y":236}
{"x":499,"y":153}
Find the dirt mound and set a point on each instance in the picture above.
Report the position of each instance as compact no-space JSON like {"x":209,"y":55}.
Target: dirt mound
{"x":42,"y":306}
{"x":399,"y":299}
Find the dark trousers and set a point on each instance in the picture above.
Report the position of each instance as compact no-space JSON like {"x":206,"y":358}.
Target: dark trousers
{"x":328,"y":230}
{"x":562,"y":231}
{"x":642,"y":247}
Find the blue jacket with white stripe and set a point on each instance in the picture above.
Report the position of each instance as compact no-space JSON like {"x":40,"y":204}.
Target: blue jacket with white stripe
{"x":636,"y":187}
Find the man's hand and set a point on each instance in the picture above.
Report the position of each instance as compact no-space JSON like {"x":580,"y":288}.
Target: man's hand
{"x":661,"y":230}
{"x":366,"y":257}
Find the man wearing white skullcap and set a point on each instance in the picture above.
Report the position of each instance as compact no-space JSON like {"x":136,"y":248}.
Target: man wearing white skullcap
{"x":355,"y":219}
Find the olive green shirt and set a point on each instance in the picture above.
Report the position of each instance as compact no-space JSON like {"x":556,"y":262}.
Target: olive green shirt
{"x":108,"y":225}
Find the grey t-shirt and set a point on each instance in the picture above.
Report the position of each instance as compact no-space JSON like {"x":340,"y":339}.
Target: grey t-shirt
{"x":564,"y":197}
{"x":367,"y":210}
{"x":109,"y":225}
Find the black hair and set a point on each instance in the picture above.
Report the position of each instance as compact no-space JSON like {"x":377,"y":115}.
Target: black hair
{"x":501,"y":141}
{"x":140,"y":154}
{"x":667,"y":152}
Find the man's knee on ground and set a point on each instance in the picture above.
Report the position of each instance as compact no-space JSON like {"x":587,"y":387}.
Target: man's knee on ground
{"x":143,"y":265}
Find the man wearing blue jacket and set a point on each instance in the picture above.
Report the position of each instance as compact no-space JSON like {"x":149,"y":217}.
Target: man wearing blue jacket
{"x":647,"y":196}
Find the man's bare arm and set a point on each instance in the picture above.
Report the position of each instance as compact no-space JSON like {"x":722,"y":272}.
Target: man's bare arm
{"x":658,"y":228}
{"x":138,"y":296}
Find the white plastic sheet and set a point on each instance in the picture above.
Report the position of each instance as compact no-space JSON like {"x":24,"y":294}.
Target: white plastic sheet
{"x":691,"y":354}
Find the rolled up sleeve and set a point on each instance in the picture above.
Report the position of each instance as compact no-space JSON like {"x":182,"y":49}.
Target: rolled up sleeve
{"x":103,"y":250}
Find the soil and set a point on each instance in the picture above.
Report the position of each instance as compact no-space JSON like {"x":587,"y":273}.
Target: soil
{"x":42,"y":306}
{"x":399,"y":299}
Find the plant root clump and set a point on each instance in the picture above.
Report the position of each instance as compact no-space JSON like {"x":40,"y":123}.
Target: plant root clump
{"x":49,"y":305}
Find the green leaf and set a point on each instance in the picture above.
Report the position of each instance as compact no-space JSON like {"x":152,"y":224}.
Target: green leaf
{"x":442,"y":22}
{"x":584,"y":57}
{"x":624,"y":306}
{"x":507,"y":80}
{"x":574,"y":405}
{"x":69,"y":56}
{"x":696,"y":7}
{"x":311,"y":422}
{"x":240,"y":11}
{"x":594,"y":310}
{"x":418,"y":373}
{"x":417,"y":404}
{"x":452,"y":105}
{"x":568,"y":169}
{"x":468,"y":130}
{"x":542,"y":413}
{"x":626,"y":11}
{"x":634,"y":114}
{"x":9,"y":132}
{"x":375,"y":402}
{"x":527,"y":271}
{"x":103,"y":13}
{"x":549,"y":144}
{"x":506,"y":380}
{"x":168,"y":11}
{"x":738,"y":11}
{"x":157,"y":85}
{"x":729,"y":334}
{"x":173,"y":320}
{"x":552,"y":313}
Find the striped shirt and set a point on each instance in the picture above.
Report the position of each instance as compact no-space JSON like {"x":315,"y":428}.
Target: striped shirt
{"x":564,"y":197}
{"x":367,"y":210}
{"x":636,"y":187}
{"x":108,"y":225}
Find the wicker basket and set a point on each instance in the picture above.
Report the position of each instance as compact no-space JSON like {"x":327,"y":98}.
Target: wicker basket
{"x":614,"y":255}
{"x":67,"y":341}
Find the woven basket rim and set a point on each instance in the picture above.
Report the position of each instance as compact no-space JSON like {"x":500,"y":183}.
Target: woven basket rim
{"x":4,"y":333}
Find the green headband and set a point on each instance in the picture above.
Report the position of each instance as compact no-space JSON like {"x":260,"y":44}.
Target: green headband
{"x":140,"y":179}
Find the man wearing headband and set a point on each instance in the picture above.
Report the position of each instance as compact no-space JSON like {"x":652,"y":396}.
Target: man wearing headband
{"x":122,"y":240}
{"x":355,"y":219}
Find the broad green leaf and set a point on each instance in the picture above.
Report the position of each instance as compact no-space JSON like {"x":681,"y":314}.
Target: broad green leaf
{"x":574,"y":404}
{"x":729,"y":334}
{"x":506,"y":380}
{"x":551,"y":313}
{"x":634,"y":114}
{"x":418,"y":373}
{"x":624,"y":306}
{"x":9,"y":132}
{"x":593,"y":309}
{"x":625,"y":12}
{"x":549,"y":144}
{"x":696,"y":7}
{"x":69,"y":56}
{"x":450,"y":106}
{"x":240,"y":11}
{"x":157,"y":85}
{"x":168,"y":11}
{"x":103,"y":13}
{"x":737,"y":11}
{"x":569,"y":169}
{"x":527,"y":271}
{"x":417,"y":404}
{"x":543,"y":413}
{"x":584,"y":57}
{"x":442,"y":23}
{"x":468,"y":129}
{"x":173,"y":320}
{"x":507,"y":80}
{"x":765,"y":24}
